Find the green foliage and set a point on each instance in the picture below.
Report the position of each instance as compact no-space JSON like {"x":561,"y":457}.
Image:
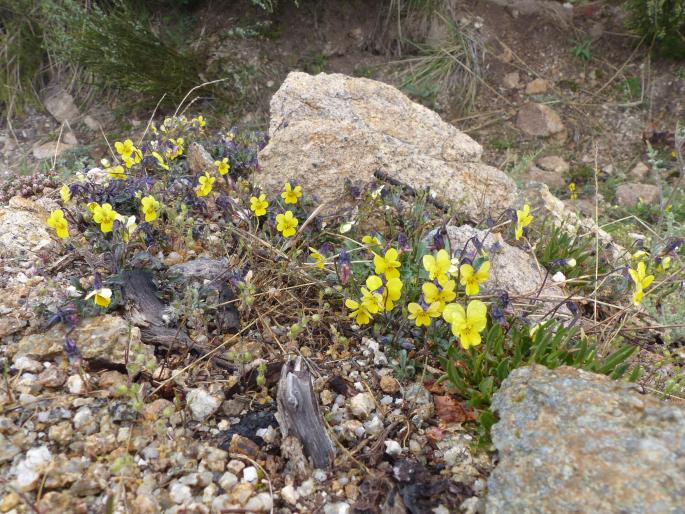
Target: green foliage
{"x":661,"y":23}
{"x":479,"y":372}
{"x":582,"y":51}
{"x":557,"y":245}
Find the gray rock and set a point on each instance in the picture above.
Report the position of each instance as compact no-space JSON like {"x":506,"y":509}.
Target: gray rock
{"x":511,"y":80}
{"x":198,"y":158}
{"x":362,"y":405}
{"x":632,"y":193}
{"x":202,"y":404}
{"x":552,"y":179}
{"x":640,"y":171}
{"x":326,"y":129}
{"x":51,"y":149}
{"x":23,"y":233}
{"x":553,"y":163}
{"x":538,"y":120}
{"x":537,"y":87}
{"x":61,"y":105}
{"x":570,"y":441}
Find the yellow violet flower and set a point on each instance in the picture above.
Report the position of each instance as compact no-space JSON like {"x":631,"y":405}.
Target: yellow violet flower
{"x":177,"y":149}
{"x":259,"y":205}
{"x":372,"y":300}
{"x":57,"y":221}
{"x":572,"y":190}
{"x":200,"y":121}
{"x":392,"y":293}
{"x":641,"y":280}
{"x":440,"y":295}
{"x":101,"y":296}
{"x":205,"y":185}
{"x":222,"y":166}
{"x":128,"y":152}
{"x":371,"y":241}
{"x":286,"y":223}
{"x":467,"y":324}
{"x":91,"y":206}
{"x":437,"y":266}
{"x":160,"y":160}
{"x":639,"y":255}
{"x":290,"y":194}
{"x":319,"y":259}
{"x":359,"y":312}
{"x":130,"y":227}
{"x":150,"y":206}
{"x":65,"y":193}
{"x":105,"y":216}
{"x":472,"y":279}
{"x":523,"y":219}
{"x":421,"y":316}
{"x":664,"y":264}
{"x":388,"y":264}
{"x":116,"y":172}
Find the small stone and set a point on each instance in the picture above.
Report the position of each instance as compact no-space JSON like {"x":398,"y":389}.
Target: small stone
{"x":640,"y":171}
{"x":250,"y":474}
{"x":91,"y":123}
{"x":537,"y":87}
{"x":30,"y":469}
{"x":337,"y":508}
{"x":306,"y":488}
{"x":158,"y":409}
{"x":262,"y":502}
{"x":8,"y":451}
{"x":202,"y":404}
{"x":198,"y":158}
{"x":9,"y":501}
{"x":111,"y":380}
{"x":52,"y":377}
{"x":235,"y":466}
{"x":539,"y":120}
{"x":327,"y":397}
{"x":241,"y":492}
{"x":61,"y":433}
{"x":227,"y":481}
{"x":145,"y":504}
{"x":290,"y":494}
{"x":374,"y":426}
{"x":511,"y":80}
{"x":362,"y":405}
{"x":173,"y":258}
{"x":83,"y":418}
{"x":320,"y":475}
{"x":632,"y":193}
{"x":50,"y":150}
{"x":244,"y":446}
{"x":393,"y":448}
{"x":389,"y":385}
{"x":180,"y":493}
{"x":553,"y":163}
{"x":215,"y":459}
{"x":24,"y":363}
{"x":60,"y":104}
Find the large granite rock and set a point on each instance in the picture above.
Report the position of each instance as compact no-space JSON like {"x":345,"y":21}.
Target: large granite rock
{"x":24,"y":231}
{"x":328,"y":128}
{"x":570,"y":441}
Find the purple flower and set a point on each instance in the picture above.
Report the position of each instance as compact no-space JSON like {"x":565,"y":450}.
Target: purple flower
{"x":72,"y":351}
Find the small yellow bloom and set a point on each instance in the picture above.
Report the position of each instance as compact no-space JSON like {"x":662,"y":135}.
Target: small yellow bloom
{"x":371,"y":298}
{"x":471,"y":279}
{"x":359,"y":312}
{"x":319,"y":259}
{"x":467,"y":324}
{"x":91,"y":206}
{"x":177,"y":148}
{"x":371,"y":241}
{"x":440,"y":295}
{"x":130,"y":227}
{"x":105,"y":216}
{"x":101,"y":296}
{"x":639,"y":255}
{"x":160,"y":160}
{"x":572,"y":190}
{"x":286,"y":223}
{"x":57,"y":221}
{"x":200,"y":121}
{"x":205,"y":185}
{"x":222,"y":166}
{"x":523,"y":219}
{"x":437,"y":266}
{"x":664,"y":264}
{"x":392,"y":293}
{"x":388,"y":264}
{"x":259,"y":205}
{"x":421,"y":316}
{"x":116,"y":172}
{"x":150,"y":206}
{"x":65,"y":193}
{"x":128,"y":152}
{"x":290,"y":194}
{"x":641,"y":281}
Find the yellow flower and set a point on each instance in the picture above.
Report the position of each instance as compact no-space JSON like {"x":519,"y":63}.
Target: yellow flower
{"x":392,"y":293}
{"x":128,"y":152}
{"x":205,"y":185}
{"x":57,"y":221}
{"x":105,"y":216}
{"x":150,"y":206}
{"x":200,"y":121}
{"x":664,"y":264}
{"x":421,"y":316}
{"x":472,"y":279}
{"x":371,"y":299}
{"x":388,"y":264}
{"x":371,"y":241}
{"x":523,"y":219}
{"x":439,"y":295}
{"x":437,"y":266}
{"x":572,"y":190}
{"x":286,"y":223}
{"x":639,"y":255}
{"x":641,"y":280}
{"x":100,"y":296}
{"x":116,"y":172}
{"x":259,"y":205}
{"x":359,"y":312}
{"x":319,"y":259}
{"x":290,"y":194}
{"x":177,"y":149}
{"x":467,"y":325}
{"x":222,"y":166}
{"x":160,"y":160}
{"x":91,"y":206}
{"x":130,"y":227}
{"x":65,"y":193}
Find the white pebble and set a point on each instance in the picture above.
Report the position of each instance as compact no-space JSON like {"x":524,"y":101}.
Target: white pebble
{"x":250,"y":474}
{"x":392,"y":448}
{"x":289,"y":494}
{"x":180,"y":493}
{"x":362,"y":404}
{"x":202,"y":404}
{"x":75,"y":384}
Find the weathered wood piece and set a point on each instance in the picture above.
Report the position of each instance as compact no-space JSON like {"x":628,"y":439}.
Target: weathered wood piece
{"x":298,"y":413}
{"x":145,"y":311}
